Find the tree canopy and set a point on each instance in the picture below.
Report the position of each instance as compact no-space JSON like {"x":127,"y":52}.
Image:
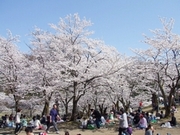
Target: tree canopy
{"x":68,"y":67}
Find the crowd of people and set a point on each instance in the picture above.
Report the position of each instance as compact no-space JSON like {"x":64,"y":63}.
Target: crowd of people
{"x":19,"y":121}
{"x":133,"y":119}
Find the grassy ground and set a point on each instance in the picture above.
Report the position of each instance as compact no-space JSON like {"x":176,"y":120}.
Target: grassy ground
{"x":104,"y":131}
{"x":74,"y":130}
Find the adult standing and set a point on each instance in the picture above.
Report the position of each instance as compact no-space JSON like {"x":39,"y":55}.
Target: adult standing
{"x":95,"y":114}
{"x":18,"y":121}
{"x":54,"y":115}
{"x":123,"y":122}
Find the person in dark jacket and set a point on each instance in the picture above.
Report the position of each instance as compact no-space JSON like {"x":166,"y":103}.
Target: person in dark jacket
{"x":173,"y":120}
{"x":95,"y":114}
{"x":136,"y":119}
{"x":52,"y":118}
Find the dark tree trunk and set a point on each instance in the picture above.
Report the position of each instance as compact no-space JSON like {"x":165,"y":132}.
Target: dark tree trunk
{"x":75,"y":101}
{"x":46,"y":108}
{"x":16,"y":105}
{"x":74,"y":111}
{"x":170,"y":102}
{"x":66,"y":109}
{"x":125,"y":104}
{"x":16,"y":99}
{"x":89,"y":110}
{"x":116,"y":105}
{"x":155,"y":105}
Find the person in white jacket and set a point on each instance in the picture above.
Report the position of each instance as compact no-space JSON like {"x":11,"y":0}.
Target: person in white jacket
{"x":123,"y":122}
{"x":18,"y":121}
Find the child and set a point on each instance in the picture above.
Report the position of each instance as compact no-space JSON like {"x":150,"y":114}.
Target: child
{"x":66,"y":133}
{"x":149,"y":130}
{"x":111,"y":116}
{"x":84,"y":123}
{"x":24,"y":121}
{"x":29,"y":131}
{"x":130,"y":129}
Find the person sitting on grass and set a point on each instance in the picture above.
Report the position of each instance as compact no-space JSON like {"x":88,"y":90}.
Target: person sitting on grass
{"x":130,"y":129}
{"x":142,"y":122}
{"x":90,"y":122}
{"x":162,"y":115}
{"x":24,"y":121}
{"x":84,"y":123}
{"x":37,"y":123}
{"x":103,"y":121}
{"x":136,"y":119}
{"x":173,"y":109}
{"x":173,"y":120}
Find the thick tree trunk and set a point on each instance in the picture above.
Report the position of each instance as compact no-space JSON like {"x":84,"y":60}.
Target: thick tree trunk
{"x":46,"y":108}
{"x":75,"y":100}
{"x":66,"y":109}
{"x":155,"y":105}
{"x":89,"y":110}
{"x":170,"y":102}
{"x":101,"y":108}
{"x":74,"y":111}
{"x":16,"y":105}
{"x":16,"y":99}
{"x":166,"y":102}
{"x":125,"y":104}
{"x":117,"y":105}
{"x":167,"y":111}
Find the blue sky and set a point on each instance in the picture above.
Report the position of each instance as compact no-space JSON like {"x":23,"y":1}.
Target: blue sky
{"x":119,"y":23}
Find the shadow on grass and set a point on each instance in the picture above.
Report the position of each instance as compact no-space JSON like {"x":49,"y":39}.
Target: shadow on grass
{"x":6,"y":133}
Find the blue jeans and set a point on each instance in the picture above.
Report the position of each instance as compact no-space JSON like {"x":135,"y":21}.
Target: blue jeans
{"x":97,"y":122}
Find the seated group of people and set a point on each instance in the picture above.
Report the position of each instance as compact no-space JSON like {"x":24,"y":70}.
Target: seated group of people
{"x":171,"y":123}
{"x":92,"y":121}
{"x":35,"y":123}
{"x":141,"y":120}
{"x":9,"y":121}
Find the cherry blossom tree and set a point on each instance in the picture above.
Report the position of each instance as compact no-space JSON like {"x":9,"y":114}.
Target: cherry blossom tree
{"x":45,"y":71}
{"x":69,"y":60}
{"x":126,"y":88}
{"x":12,"y":67}
{"x":162,"y":62}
